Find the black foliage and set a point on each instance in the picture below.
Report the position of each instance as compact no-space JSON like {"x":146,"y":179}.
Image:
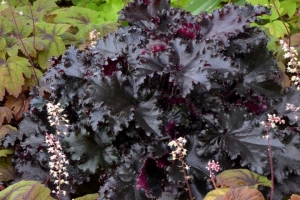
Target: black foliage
{"x":208,"y":78}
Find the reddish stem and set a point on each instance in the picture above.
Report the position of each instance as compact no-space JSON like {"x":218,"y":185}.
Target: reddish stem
{"x":271,"y":165}
{"x":213,"y":179}
{"x":21,"y":40}
{"x":186,"y":178}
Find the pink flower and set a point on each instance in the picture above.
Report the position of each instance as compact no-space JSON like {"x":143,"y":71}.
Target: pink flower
{"x":212,"y":165}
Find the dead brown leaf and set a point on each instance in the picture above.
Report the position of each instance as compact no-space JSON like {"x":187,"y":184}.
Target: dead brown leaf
{"x":295,"y":197}
{"x":5,"y":115}
{"x":6,"y":170}
{"x":18,"y":105}
{"x":243,"y":193}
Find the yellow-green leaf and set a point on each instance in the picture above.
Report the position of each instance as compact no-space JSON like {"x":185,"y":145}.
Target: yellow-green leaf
{"x":277,"y":29}
{"x":2,"y":43}
{"x":289,"y":7}
{"x":212,"y":195}
{"x":261,"y":2}
{"x":19,"y":3}
{"x":33,"y":80}
{"x":5,"y":26}
{"x":44,"y":5}
{"x":3,"y":7}
{"x":12,"y":72}
{"x":31,"y":44}
{"x":76,"y":16}
{"x":49,"y":34}
{"x":26,"y":190}
{"x":241,"y":177}
{"x":48,"y":31}
{"x":103,"y":29}
{"x":89,"y":197}
{"x":5,"y":152}
{"x":27,"y":16}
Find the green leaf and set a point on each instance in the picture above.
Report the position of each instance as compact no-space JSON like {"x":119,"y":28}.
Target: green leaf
{"x":179,"y":3}
{"x":44,"y":5}
{"x":13,"y":43}
{"x":272,"y":44}
{"x":289,"y":7}
{"x":277,"y":29}
{"x":49,"y":34}
{"x":24,"y":29}
{"x":110,"y":9}
{"x":5,"y":152}
{"x":103,"y":29}
{"x":212,"y":195}
{"x":198,"y":6}
{"x":241,"y":177}
{"x":3,"y":7}
{"x":31,"y":45}
{"x":76,"y":16}
{"x":2,"y":43}
{"x":260,"y":2}
{"x":89,"y":197}
{"x":28,"y":15}
{"x":18,"y":3}
{"x":274,"y":12}
{"x":5,"y":26}
{"x":11,"y":75}
{"x":26,"y":190}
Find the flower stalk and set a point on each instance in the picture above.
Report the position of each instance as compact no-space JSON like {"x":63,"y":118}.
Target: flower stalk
{"x":179,"y":153}
{"x":58,"y":161}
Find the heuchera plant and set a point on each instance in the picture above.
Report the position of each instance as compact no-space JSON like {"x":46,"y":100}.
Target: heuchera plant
{"x":208,"y":78}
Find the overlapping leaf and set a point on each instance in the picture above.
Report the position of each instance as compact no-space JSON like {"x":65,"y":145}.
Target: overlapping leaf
{"x":49,"y":33}
{"x":241,"y":177}
{"x":6,"y":169}
{"x":145,"y":85}
{"x":5,"y":129}
{"x":124,"y":184}
{"x":120,"y":104}
{"x":140,"y":10}
{"x":229,"y":21}
{"x":43,"y":5}
{"x":76,"y":16}
{"x":90,"y":155}
{"x":18,"y":105}
{"x":244,"y":192}
{"x":238,"y":137}
{"x":26,"y":190}
{"x":12,"y":72}
{"x":5,"y":115}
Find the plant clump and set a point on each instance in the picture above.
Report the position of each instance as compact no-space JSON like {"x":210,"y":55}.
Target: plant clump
{"x":207,"y":78}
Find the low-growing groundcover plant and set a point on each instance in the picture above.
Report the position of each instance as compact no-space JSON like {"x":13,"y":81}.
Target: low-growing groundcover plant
{"x":208,"y":79}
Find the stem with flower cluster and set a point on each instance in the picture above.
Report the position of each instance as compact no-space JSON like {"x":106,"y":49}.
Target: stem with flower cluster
{"x":58,"y":160}
{"x":178,"y":153}
{"x":271,"y":123}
